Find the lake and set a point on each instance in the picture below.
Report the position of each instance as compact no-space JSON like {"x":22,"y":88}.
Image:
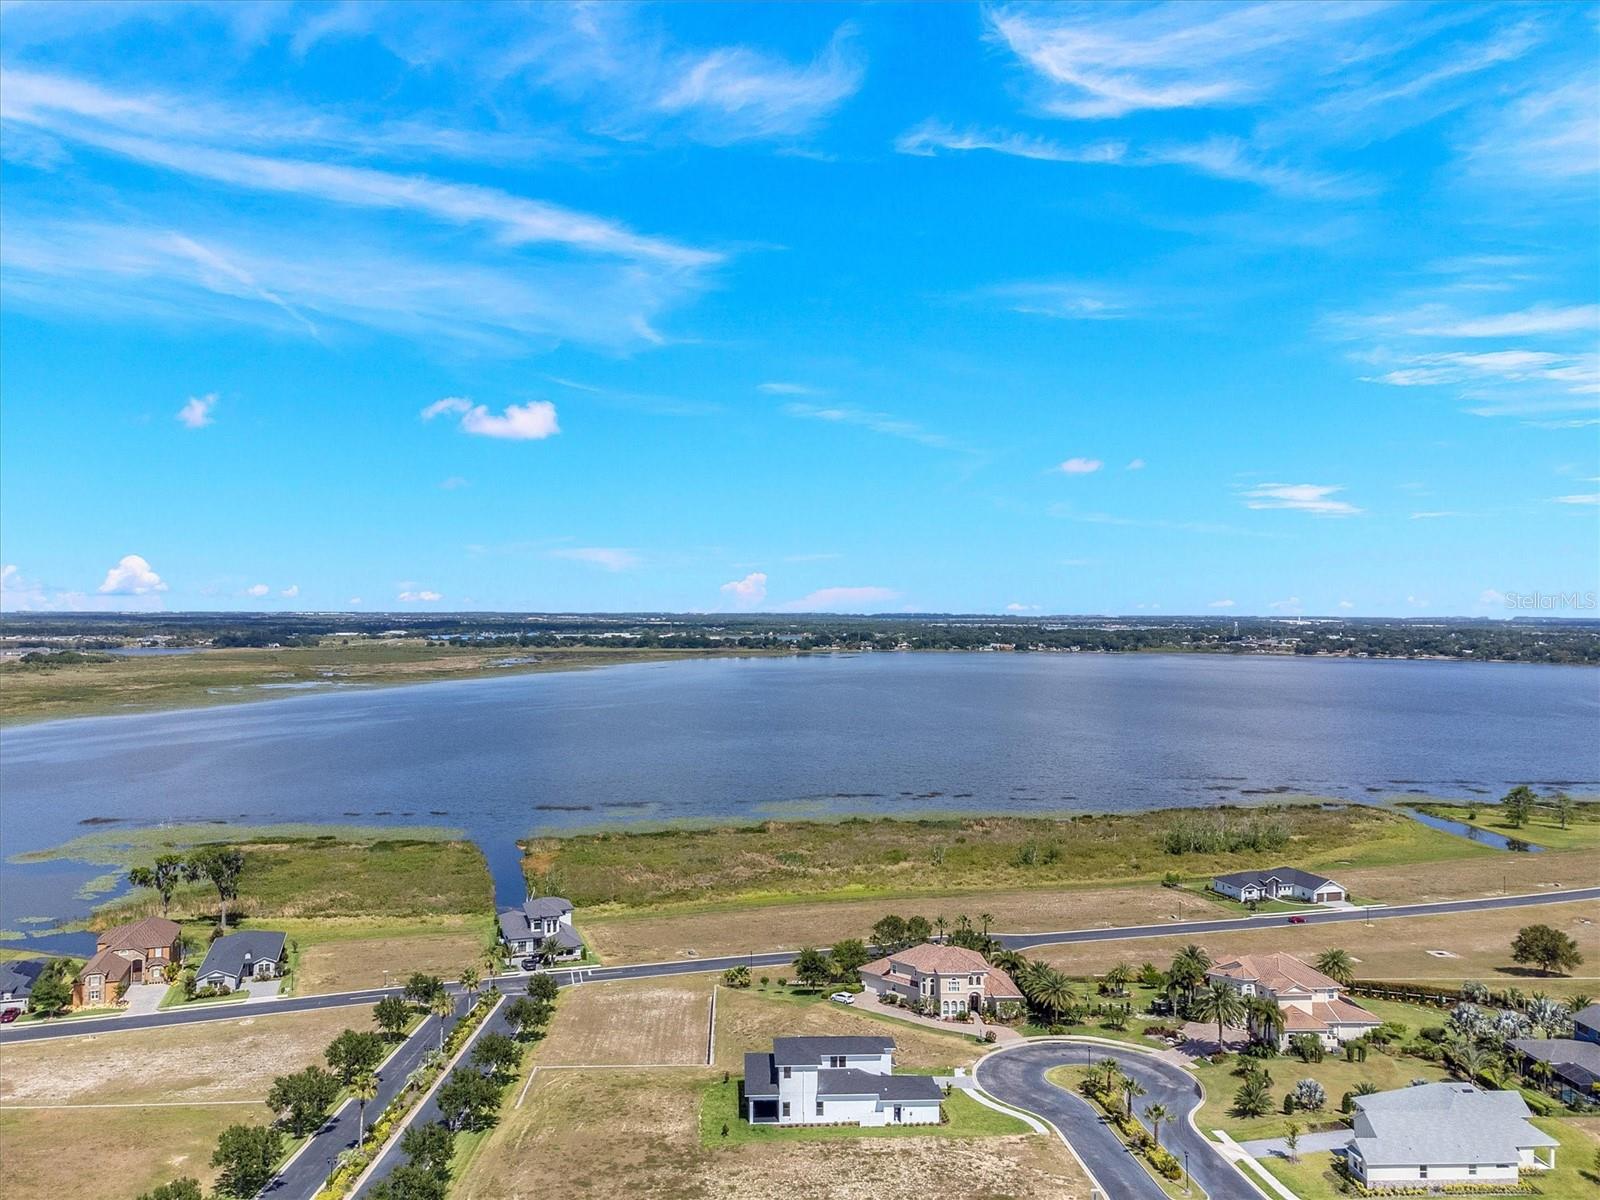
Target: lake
{"x":798,"y":737}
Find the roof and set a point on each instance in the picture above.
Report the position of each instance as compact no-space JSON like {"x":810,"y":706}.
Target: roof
{"x":546,"y":906}
{"x":848,"y":1081}
{"x":141,"y":935}
{"x":1588,"y":1017}
{"x":515,"y":927}
{"x":1576,"y":1062}
{"x":930,"y":958}
{"x":1453,"y":1123}
{"x":1000,"y":985}
{"x":228,"y":955}
{"x":1276,"y":972}
{"x":1292,"y":875}
{"x":760,"y":1079}
{"x":17,"y":977}
{"x":809,"y":1051}
{"x":1323,"y":1015}
{"x":110,"y":964}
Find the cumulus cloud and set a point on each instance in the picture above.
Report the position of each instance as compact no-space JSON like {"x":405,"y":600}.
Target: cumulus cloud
{"x":291,"y":591}
{"x":1492,"y":597}
{"x":847,"y":599}
{"x":257,"y":589}
{"x":1080,"y":466}
{"x":1317,"y":498}
{"x":1220,"y":604}
{"x":421,"y":596}
{"x":533,"y":421}
{"x":612,"y":558}
{"x":196,"y":412}
{"x":1136,"y":464}
{"x":132,"y":576}
{"x":1346,"y":604}
{"x":1014,"y":607}
{"x":752,"y":589}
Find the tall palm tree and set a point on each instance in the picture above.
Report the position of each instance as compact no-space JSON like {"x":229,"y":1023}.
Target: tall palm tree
{"x":1188,"y":970}
{"x":491,"y":964}
{"x":469,"y":981}
{"x":1054,"y":993}
{"x":984,"y":921}
{"x":1009,"y":961}
{"x":1132,"y":1089}
{"x":1266,"y":1020}
{"x":1112,"y":1068}
{"x":1219,"y":1003}
{"x":442,"y":1006}
{"x":941,"y":925}
{"x":1155,"y":1114}
{"x":364,"y":1088}
{"x":1336,"y":965}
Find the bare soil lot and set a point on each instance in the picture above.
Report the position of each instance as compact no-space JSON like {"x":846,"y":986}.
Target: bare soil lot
{"x":347,"y":963}
{"x":1418,"y":883}
{"x":638,"y":1022}
{"x":125,"y":1150}
{"x":615,"y":1133}
{"x":1397,"y":949}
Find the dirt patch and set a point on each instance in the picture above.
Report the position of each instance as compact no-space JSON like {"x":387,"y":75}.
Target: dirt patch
{"x":208,"y":1061}
{"x":643,"y":1022}
{"x":352,"y":963}
{"x":1419,"y":883}
{"x":133,"y":1149}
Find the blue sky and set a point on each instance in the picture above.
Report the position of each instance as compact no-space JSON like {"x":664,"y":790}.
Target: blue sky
{"x":1240,"y":309}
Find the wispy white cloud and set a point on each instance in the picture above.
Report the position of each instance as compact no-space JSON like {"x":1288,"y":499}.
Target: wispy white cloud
{"x":454,"y":483}
{"x":1316,"y":498}
{"x":1220,"y":604}
{"x":414,"y":596}
{"x":533,"y":421}
{"x":257,"y":589}
{"x":1080,"y":466}
{"x":1585,"y":498}
{"x":747,"y":592}
{"x":196,"y":411}
{"x":788,"y":389}
{"x":877,"y":422}
{"x":841,"y":599}
{"x":1136,"y":464}
{"x":291,"y":591}
{"x":1549,"y":136}
{"x":1015,"y":607}
{"x":610,"y":558}
{"x":132,"y":576}
{"x":1066,"y":300}
{"x":930,"y":137}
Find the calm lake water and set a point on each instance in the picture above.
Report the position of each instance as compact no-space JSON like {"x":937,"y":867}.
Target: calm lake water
{"x":879,"y":734}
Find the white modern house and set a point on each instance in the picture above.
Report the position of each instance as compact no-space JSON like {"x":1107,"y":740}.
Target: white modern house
{"x":1280,"y":883}
{"x":835,"y":1081}
{"x":1310,"y":1001}
{"x":946,"y":981}
{"x":1445,"y":1133}
{"x":525,"y":929}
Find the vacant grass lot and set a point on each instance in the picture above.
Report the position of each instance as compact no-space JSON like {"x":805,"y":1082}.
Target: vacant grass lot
{"x":341,"y":956}
{"x":603,"y":1134}
{"x":639,"y":1022}
{"x":860,"y":858}
{"x":1492,"y":873}
{"x":749,"y":1020}
{"x":133,"y":684}
{"x":1395,"y":949}
{"x":193,"y":1073}
{"x":728,"y":928}
{"x":1544,"y":828}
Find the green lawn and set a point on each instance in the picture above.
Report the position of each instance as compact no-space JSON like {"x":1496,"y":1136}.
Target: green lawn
{"x":175,"y":997}
{"x":964,"y":1117}
{"x":1542,"y":829}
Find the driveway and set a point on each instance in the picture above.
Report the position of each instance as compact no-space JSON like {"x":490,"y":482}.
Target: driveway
{"x":262,"y":989}
{"x":1333,"y":1139}
{"x":144,"y":998}
{"x":1016,"y":1076}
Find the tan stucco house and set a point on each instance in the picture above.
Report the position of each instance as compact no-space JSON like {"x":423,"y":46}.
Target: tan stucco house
{"x":944,"y":981}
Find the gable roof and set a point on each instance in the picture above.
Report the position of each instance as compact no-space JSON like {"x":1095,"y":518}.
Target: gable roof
{"x":109,"y":963}
{"x":1575,"y":1061}
{"x":141,"y":935}
{"x":546,"y":906}
{"x":229,"y":954}
{"x":1588,"y":1017}
{"x":809,"y":1051}
{"x":1451,"y":1123}
{"x":1292,"y":875}
{"x":18,"y":977}
{"x":851,"y":1082}
{"x":931,"y":958}
{"x":1277,"y":972}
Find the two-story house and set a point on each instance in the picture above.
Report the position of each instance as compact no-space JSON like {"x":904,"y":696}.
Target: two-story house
{"x":944,"y":981}
{"x":524,"y":930}
{"x":148,"y":951}
{"x":1310,"y":1001}
{"x":835,"y":1081}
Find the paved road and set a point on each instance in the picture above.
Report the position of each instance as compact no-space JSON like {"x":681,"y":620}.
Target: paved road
{"x":1017,"y":1077}
{"x":782,"y":958}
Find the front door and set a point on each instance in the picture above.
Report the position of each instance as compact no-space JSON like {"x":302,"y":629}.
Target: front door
{"x":897,"y":1114}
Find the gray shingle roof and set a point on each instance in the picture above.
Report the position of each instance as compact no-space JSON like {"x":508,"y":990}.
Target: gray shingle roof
{"x":228,"y":954}
{"x":760,"y":1079}
{"x":1451,"y":1123}
{"x":1588,"y":1018}
{"x":538,"y":907}
{"x":17,"y":977}
{"x":1575,"y":1061}
{"x":850,"y":1082}
{"x":809,"y":1051}
{"x":1292,"y":875}
{"x":513,"y":925}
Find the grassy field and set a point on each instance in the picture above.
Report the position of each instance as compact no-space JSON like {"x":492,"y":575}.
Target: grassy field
{"x":1491,"y":873}
{"x":642,"y":1022}
{"x":963,"y":1117}
{"x":1395,"y":949}
{"x":138,"y":684}
{"x":1543,"y":828}
{"x":183,"y":1086}
{"x":859,"y":858}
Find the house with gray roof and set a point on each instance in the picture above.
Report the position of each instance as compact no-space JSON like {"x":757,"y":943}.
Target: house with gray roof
{"x":1279,"y":883}
{"x":524,"y":930}
{"x":835,"y":1081}
{"x":234,"y":960}
{"x":1586,"y":1024}
{"x":17,"y":978}
{"x":1573,"y":1063}
{"x":1445,"y":1133}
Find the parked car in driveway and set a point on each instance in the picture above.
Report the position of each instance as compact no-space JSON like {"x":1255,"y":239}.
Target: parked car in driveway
{"x":843,"y":998}
{"x":530,"y":963}
{"x":10,"y":1015}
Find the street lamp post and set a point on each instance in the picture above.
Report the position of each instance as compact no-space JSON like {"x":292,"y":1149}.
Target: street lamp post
{"x":1187,"y":1187}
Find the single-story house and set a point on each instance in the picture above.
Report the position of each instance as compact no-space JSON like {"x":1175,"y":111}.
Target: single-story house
{"x":1575,"y":1063}
{"x":147,"y":951}
{"x":524,"y":930}
{"x":240,"y":957}
{"x":17,"y":978}
{"x":1445,"y":1133}
{"x":1310,"y":1001}
{"x":1586,"y":1024}
{"x":1279,"y":883}
{"x":947,"y":981}
{"x":836,"y":1081}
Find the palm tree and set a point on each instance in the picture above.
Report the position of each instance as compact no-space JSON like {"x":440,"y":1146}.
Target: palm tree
{"x":1053,"y":992}
{"x":364,"y":1088}
{"x":1132,"y":1089}
{"x":941,"y":925}
{"x":1470,"y":1057}
{"x":1266,"y":1020}
{"x":442,"y":1006}
{"x":1009,"y":961}
{"x":492,"y":965}
{"x":1188,"y":970}
{"x":1220,"y":1003}
{"x":1541,"y":1072}
{"x":469,"y":981}
{"x":1155,"y":1114}
{"x":984,"y":921}
{"x":1112,"y":1068}
{"x":1336,"y":965}
{"x":1118,"y":977}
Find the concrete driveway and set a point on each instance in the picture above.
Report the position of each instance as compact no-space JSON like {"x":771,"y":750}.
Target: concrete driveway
{"x":144,"y":998}
{"x":1334,"y":1139}
{"x":1016,"y":1076}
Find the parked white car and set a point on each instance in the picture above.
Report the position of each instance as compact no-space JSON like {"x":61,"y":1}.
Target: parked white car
{"x":843,"y":998}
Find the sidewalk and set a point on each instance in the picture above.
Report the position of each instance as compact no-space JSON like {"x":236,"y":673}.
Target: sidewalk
{"x":1003,"y":1034}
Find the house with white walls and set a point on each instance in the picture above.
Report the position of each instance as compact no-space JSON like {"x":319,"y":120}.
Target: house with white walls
{"x":1445,"y":1133}
{"x":835,"y":1081}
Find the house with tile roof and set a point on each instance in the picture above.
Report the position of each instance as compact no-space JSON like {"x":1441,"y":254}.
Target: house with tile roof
{"x":524,"y":930}
{"x":1279,"y":883}
{"x":942,"y":981}
{"x":1311,"y":1002}
{"x":147,"y":951}
{"x":835,"y":1081}
{"x":1445,"y":1133}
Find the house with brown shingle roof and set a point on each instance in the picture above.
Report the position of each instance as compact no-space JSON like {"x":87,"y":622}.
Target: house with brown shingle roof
{"x":147,"y":951}
{"x":943,"y":981}
{"x":1311,"y":1002}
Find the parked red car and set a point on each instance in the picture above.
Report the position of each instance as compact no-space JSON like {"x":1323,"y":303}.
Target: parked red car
{"x":1297,"y":920}
{"x":10,"y":1015}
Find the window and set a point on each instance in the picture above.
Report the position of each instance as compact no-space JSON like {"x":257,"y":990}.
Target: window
{"x":972,"y":981}
{"x":786,"y":1108}
{"x":1422,"y":1171}
{"x":819,"y":1108}
{"x":1472,"y":1168}
{"x":836,"y":1060}
{"x":788,"y":1073}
